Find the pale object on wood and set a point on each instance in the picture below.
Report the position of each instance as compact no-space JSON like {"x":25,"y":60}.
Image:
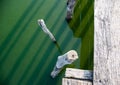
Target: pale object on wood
{"x":63,"y":60}
{"x":45,"y":29}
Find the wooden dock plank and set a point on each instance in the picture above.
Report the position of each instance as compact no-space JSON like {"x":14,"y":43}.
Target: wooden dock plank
{"x":77,"y":77}
{"x":107,"y":42}
{"x":79,"y":74}
{"x":66,"y":81}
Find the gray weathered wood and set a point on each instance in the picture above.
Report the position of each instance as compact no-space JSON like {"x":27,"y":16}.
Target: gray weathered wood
{"x":79,"y":74}
{"x":63,"y":60}
{"x":107,"y":42}
{"x":66,"y":81}
{"x":77,"y":77}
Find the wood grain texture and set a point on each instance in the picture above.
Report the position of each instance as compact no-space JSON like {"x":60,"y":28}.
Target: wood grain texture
{"x":66,"y":81}
{"x":107,"y":42}
{"x":79,"y":74}
{"x":77,"y":77}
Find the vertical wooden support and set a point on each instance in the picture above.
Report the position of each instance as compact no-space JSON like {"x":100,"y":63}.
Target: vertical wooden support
{"x":107,"y":42}
{"x":77,"y":77}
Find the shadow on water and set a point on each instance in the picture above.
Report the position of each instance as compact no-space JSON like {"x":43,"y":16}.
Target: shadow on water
{"x":88,"y":63}
{"x":52,"y":60}
{"x":38,"y":51}
{"x":47,"y":53}
{"x":56,"y":4}
{"x":21,"y":57}
{"x":17,"y":25}
{"x":52,"y":63}
{"x":81,"y":29}
{"x":36,"y":72}
{"x":59,"y":49}
{"x":34,"y":57}
{"x":19,"y":34}
{"x":39,"y":67}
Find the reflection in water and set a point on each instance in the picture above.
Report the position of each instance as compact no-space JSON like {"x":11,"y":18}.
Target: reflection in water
{"x":83,"y":27}
{"x":58,"y":47}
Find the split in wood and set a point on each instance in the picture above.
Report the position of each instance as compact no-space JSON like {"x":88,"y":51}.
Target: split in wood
{"x":79,"y":74}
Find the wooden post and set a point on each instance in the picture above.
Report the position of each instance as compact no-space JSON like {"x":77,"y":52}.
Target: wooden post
{"x":77,"y":77}
{"x":107,"y":42}
{"x":63,"y":60}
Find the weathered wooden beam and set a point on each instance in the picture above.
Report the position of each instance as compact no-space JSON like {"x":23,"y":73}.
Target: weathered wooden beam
{"x":77,"y":77}
{"x":79,"y":74}
{"x":67,"y":81}
{"x":107,"y":42}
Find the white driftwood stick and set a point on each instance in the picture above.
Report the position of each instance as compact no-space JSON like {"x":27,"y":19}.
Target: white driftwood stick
{"x":45,"y":29}
{"x":63,"y":60}
{"x":79,"y":74}
{"x":107,"y":42}
{"x":67,"y":81}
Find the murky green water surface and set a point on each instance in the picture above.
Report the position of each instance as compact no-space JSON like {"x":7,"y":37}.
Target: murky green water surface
{"x":27,"y":54}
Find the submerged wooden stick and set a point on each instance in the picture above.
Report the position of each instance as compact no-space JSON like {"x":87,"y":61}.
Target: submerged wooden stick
{"x":45,"y":29}
{"x":70,"y":8}
{"x":63,"y":60}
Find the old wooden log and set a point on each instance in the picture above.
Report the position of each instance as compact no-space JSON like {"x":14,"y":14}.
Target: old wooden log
{"x":79,"y":74}
{"x":77,"y":77}
{"x":45,"y":29}
{"x":63,"y":60}
{"x":68,"y":81}
{"x":107,"y":42}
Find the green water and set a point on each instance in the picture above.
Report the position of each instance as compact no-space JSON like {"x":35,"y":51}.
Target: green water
{"x":27,"y":54}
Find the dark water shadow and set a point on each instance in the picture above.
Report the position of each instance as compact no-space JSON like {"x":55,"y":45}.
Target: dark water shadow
{"x":49,"y":69}
{"x":21,"y":57}
{"x":38,"y":51}
{"x":46,"y":54}
{"x":87,"y":26}
{"x":88,"y":62}
{"x":78,"y":17}
{"x":82,"y":32}
{"x":19,"y":35}
{"x":56,"y":4}
{"x":58,"y":46}
{"x":53,"y":60}
{"x":17,"y":25}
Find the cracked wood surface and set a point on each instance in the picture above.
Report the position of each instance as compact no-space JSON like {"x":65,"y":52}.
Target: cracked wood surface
{"x":67,"y":81}
{"x":77,"y":77}
{"x":79,"y":74}
{"x":107,"y":42}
